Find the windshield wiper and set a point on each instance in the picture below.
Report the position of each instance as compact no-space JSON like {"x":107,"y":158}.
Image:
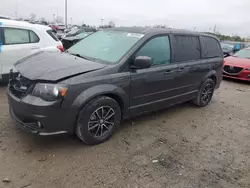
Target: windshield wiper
{"x":78,"y":55}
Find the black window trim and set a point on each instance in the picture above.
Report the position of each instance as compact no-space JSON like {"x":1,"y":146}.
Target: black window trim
{"x":4,"y":43}
{"x":2,"y":35}
{"x":189,"y":35}
{"x":147,"y":40}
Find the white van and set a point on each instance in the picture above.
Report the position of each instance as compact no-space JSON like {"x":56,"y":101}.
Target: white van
{"x":19,"y":39}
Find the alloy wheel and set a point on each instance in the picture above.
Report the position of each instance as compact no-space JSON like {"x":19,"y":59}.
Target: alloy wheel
{"x":207,"y":93}
{"x":101,"y":121}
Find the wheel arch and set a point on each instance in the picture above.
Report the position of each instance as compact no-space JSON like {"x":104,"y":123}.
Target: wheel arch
{"x":212,"y":75}
{"x":112,"y":91}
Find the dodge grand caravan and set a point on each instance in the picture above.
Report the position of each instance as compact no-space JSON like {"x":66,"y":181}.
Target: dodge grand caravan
{"x":112,"y":75}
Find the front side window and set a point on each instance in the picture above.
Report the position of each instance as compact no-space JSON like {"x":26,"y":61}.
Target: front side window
{"x":16,"y":36}
{"x":158,"y":49}
{"x":186,"y":48}
{"x":106,"y":46}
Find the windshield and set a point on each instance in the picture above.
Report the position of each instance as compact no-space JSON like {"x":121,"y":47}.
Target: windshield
{"x":245,"y":53}
{"x":107,"y":46}
{"x":226,"y":46}
{"x":81,"y":35}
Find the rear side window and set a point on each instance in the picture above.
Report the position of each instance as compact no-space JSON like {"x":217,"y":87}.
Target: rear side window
{"x":186,"y":48}
{"x":158,"y":49}
{"x":212,"y":47}
{"x":19,"y":36}
{"x":16,"y":36}
{"x":53,"y":35}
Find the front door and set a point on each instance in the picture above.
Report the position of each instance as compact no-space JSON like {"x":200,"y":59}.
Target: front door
{"x":152,"y":87}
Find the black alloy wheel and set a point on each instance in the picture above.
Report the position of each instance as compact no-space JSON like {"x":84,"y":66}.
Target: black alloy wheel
{"x":101,"y":121}
{"x":205,"y":93}
{"x":98,"y":120}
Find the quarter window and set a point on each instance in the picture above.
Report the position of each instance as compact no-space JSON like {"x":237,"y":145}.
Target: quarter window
{"x":33,"y":37}
{"x":186,"y":48}
{"x":212,"y":47}
{"x":158,"y":49}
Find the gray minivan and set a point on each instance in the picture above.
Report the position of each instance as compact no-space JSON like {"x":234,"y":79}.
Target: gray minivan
{"x":112,"y":75}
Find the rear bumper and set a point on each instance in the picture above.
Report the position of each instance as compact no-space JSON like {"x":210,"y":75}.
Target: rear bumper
{"x":40,"y":117}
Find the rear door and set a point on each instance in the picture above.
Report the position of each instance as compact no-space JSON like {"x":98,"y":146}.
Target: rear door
{"x":212,"y":56}
{"x":187,"y":56}
{"x":17,"y":44}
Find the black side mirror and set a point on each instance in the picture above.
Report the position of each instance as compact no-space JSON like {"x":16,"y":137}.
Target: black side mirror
{"x":142,"y":62}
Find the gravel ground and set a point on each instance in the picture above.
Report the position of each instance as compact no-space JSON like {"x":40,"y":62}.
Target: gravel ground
{"x":183,"y":146}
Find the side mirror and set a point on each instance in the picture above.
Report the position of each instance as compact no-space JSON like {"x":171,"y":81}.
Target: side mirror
{"x":142,"y":62}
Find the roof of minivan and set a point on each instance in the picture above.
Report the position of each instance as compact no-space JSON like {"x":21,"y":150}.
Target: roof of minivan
{"x":145,"y":30}
{"x":22,"y":24}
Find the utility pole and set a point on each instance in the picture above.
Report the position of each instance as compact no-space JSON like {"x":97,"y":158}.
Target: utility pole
{"x":215,"y":28}
{"x":102,"y":22}
{"x":66,"y":13}
{"x":54,"y":18}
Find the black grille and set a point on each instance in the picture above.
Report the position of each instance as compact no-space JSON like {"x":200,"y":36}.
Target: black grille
{"x":232,"y":69}
{"x":19,"y":86}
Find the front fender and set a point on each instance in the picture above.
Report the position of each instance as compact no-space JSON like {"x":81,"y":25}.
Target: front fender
{"x":107,"y":89}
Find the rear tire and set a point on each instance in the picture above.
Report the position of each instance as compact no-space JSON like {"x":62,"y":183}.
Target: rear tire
{"x":205,"y":93}
{"x":98,"y":120}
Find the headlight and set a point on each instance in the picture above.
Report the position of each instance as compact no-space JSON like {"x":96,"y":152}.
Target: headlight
{"x":50,"y":92}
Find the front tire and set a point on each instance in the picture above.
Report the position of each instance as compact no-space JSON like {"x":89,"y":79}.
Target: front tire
{"x":98,"y":120}
{"x":205,"y":93}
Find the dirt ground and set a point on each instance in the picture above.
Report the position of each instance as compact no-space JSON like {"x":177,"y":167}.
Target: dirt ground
{"x":183,"y":146}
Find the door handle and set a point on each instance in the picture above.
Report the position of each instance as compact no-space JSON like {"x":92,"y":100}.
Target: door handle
{"x":180,"y":70}
{"x":168,"y":72}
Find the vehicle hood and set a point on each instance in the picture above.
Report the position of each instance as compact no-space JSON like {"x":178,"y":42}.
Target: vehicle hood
{"x":236,"y":61}
{"x":53,"y":66}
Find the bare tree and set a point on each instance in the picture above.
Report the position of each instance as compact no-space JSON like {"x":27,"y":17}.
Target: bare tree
{"x":32,"y":17}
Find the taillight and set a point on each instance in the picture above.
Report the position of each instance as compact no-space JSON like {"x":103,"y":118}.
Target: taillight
{"x":60,"y":48}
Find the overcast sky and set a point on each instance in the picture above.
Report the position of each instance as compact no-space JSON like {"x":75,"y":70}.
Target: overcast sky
{"x":229,"y":16}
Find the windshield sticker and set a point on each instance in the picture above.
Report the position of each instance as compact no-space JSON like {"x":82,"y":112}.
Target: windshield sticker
{"x":135,"y":35}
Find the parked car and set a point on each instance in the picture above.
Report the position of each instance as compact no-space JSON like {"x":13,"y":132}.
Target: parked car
{"x":238,"y":65}
{"x":112,"y":75}
{"x":70,"y":41}
{"x":230,"y":47}
{"x":20,"y":39}
{"x":61,"y":27}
